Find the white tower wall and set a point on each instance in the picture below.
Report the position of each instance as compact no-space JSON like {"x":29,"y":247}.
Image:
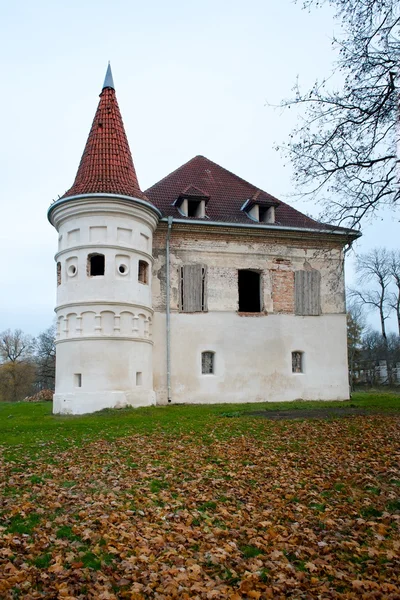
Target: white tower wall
{"x":104,"y":322}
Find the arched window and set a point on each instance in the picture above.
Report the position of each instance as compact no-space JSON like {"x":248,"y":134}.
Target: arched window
{"x":58,"y":273}
{"x":207,"y":363}
{"x":96,"y":265}
{"x":143,"y":273}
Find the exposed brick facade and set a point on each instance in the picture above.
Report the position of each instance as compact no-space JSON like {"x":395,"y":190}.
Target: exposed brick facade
{"x":283,"y":291}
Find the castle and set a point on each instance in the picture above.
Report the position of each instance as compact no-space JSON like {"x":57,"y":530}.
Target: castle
{"x":201,"y":289}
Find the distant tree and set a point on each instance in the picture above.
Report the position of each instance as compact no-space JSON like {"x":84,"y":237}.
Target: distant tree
{"x":394,"y":298}
{"x":344,"y":150}
{"x":15,"y":345}
{"x":17,"y":369}
{"x":355,"y":328}
{"x":46,"y":359}
{"x":374,"y":268}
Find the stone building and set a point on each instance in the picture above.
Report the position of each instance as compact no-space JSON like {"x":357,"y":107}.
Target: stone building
{"x":202,"y":289}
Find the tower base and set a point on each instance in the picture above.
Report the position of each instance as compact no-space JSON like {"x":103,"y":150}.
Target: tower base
{"x":81,"y":403}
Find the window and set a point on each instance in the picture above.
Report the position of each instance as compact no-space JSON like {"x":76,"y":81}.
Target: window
{"x":143,"y":274}
{"x":297,"y":362}
{"x":207,"y":363}
{"x":259,"y":209}
{"x":307,"y":286}
{"x":193,"y":289}
{"x":78,"y":379}
{"x":72,"y":270}
{"x":266,"y":214}
{"x":139,"y":378}
{"x":195,"y":208}
{"x":249,"y":291}
{"x":96,"y":265}
{"x":58,"y":273}
{"x":192,"y":207}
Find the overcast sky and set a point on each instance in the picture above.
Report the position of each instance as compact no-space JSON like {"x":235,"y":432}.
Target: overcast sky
{"x":191,"y":78}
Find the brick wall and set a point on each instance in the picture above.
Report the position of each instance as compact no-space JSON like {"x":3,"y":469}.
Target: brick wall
{"x":283,"y":291}
{"x":275,"y":257}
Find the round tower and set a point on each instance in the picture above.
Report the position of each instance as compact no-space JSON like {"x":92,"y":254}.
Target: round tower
{"x":104,"y":259}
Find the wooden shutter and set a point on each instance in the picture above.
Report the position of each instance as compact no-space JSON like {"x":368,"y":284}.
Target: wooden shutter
{"x":192,"y":288}
{"x":307,"y":292}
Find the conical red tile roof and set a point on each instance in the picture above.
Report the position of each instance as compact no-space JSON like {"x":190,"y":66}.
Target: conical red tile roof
{"x":106,"y":165}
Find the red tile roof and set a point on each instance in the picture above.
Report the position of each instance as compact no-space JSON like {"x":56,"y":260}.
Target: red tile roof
{"x":227,"y":193}
{"x":106,"y":165}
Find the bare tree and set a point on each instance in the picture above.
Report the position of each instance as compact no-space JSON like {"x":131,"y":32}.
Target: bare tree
{"x":374,"y":268}
{"x":46,"y":359}
{"x":15,"y":345}
{"x":344,"y":150}
{"x":394,"y":297}
{"x":17,"y":371}
{"x":355,"y":328}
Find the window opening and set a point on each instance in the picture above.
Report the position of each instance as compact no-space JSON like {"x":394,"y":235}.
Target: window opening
{"x":249,"y":291}
{"x":72,"y":270}
{"x":58,"y":273}
{"x":266,"y":214}
{"x":122,"y":269}
{"x":297,"y":362}
{"x":143,"y":275}
{"x":78,"y":379}
{"x":193,"y":208}
{"x":139,"y":378}
{"x":207,"y":363}
{"x":96,"y":264}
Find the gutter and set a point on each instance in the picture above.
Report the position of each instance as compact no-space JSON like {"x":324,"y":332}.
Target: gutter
{"x":168,"y":310}
{"x":348,"y":232}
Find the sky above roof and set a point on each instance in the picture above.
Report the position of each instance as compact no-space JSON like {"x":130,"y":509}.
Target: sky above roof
{"x":190,"y":78}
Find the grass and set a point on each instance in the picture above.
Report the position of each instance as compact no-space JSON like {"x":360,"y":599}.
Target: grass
{"x":103,"y":501}
{"x":25,"y":428}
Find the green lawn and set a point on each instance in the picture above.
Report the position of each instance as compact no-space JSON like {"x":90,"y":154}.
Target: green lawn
{"x":204,"y":502}
{"x":25,"y":427}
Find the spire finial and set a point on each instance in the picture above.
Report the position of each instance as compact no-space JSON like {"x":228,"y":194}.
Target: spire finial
{"x":108,"y":81}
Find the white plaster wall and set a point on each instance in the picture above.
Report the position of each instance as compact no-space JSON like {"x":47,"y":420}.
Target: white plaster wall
{"x":253,"y":354}
{"x":108,"y":371}
{"x":122,"y":239}
{"x":104,"y":323}
{"x":253,"y":360}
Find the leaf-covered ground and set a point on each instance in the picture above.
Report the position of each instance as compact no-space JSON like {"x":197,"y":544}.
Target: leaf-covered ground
{"x":232,"y":508}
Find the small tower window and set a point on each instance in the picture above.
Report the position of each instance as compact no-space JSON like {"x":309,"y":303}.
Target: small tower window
{"x":96,"y":265}
{"x":143,"y":273}
{"x":297,"y":362}
{"x":207,"y":363}
{"x":58,"y":273}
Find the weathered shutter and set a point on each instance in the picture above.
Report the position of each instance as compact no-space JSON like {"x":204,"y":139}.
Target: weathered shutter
{"x":307,"y":292}
{"x":192,"y":288}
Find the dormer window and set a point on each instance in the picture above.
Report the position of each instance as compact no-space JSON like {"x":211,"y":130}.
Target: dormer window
{"x":266,"y":214}
{"x":260,"y":208}
{"x":193,"y":208}
{"x":192,"y":202}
